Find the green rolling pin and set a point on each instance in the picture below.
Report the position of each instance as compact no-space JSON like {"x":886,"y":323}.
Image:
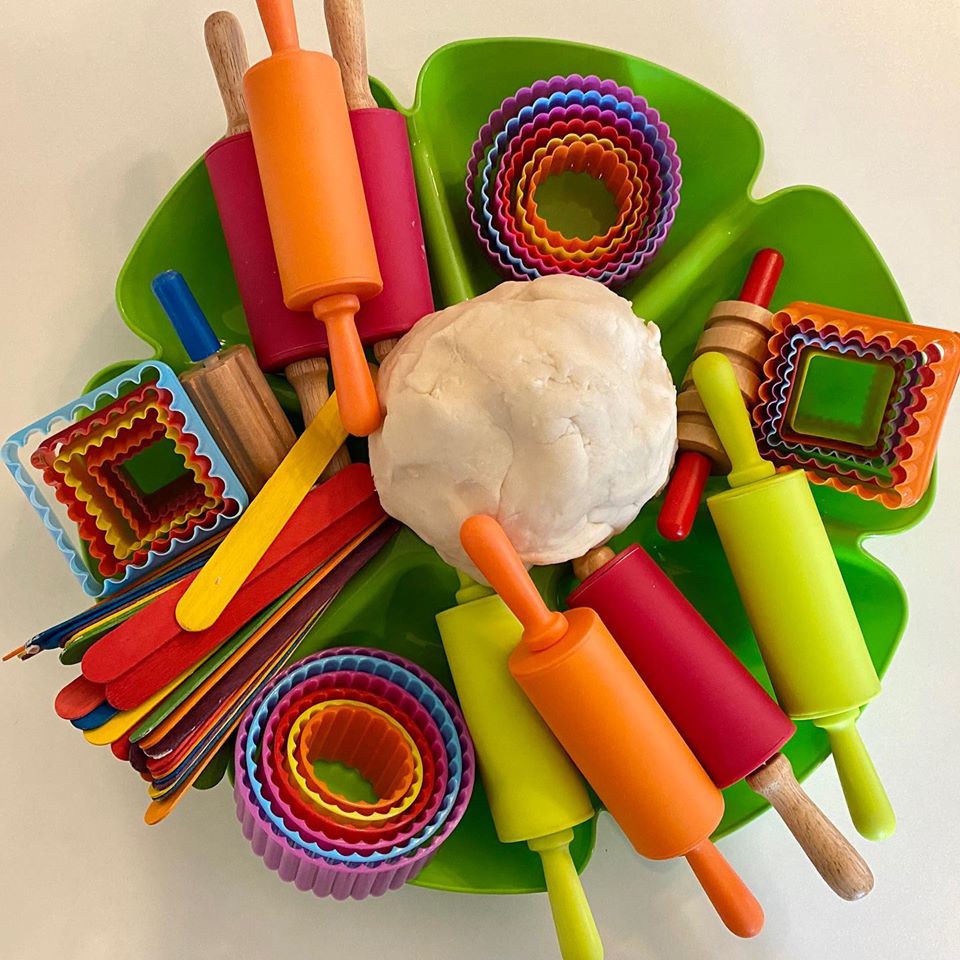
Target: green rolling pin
{"x":794,"y":595}
{"x":535,"y":793}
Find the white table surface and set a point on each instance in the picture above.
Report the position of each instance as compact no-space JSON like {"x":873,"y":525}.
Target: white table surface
{"x":103,"y":105}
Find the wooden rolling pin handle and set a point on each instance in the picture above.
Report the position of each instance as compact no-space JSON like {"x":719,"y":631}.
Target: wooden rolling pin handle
{"x":383,"y":348}
{"x":488,"y":546}
{"x":592,"y":561}
{"x":740,"y":329}
{"x":309,"y":378}
{"x":348,"y":43}
{"x":228,"y":56}
{"x":843,"y":869}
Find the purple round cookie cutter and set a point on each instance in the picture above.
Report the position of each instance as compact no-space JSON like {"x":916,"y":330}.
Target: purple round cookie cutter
{"x":337,"y":879}
{"x":618,"y":113}
{"x":543,"y":90}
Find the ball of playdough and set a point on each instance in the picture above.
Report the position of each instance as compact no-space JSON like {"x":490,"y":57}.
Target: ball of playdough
{"x":546,"y":404}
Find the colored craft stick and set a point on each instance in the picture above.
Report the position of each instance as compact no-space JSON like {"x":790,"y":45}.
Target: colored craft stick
{"x":159,"y":742}
{"x":263,"y":520}
{"x":182,"y":649}
{"x":301,"y":605}
{"x":95,"y":718}
{"x":124,"y":648}
{"x":78,"y":698}
{"x":202,"y":672}
{"x":124,"y":721}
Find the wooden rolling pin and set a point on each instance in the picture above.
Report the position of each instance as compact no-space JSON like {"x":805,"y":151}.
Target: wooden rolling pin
{"x":739,"y":329}
{"x":795,"y":596}
{"x":228,"y":388}
{"x":612,"y":728}
{"x":728,"y":720}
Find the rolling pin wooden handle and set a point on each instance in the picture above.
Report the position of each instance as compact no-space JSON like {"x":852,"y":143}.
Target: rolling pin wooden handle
{"x":731,"y":898}
{"x":279,"y":24}
{"x":741,"y":328}
{"x":490,"y":549}
{"x":309,"y":378}
{"x":348,"y":43}
{"x":592,"y":561}
{"x":383,"y":348}
{"x":843,"y":869}
{"x":577,"y":931}
{"x":228,"y":56}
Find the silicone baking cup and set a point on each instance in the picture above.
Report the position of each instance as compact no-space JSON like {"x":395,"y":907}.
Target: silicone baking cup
{"x":316,"y":851}
{"x":73,"y":457}
{"x":582,"y":125}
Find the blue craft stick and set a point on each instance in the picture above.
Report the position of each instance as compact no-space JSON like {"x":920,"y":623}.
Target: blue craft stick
{"x":97,"y":717}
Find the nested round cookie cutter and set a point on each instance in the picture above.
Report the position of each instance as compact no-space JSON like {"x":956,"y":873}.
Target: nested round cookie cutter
{"x":551,"y":104}
{"x":603,"y":161}
{"x":307,"y":819}
{"x":614,"y":116}
{"x":306,"y":864}
{"x":366,"y":738}
{"x":586,"y":126}
{"x":319,"y":834}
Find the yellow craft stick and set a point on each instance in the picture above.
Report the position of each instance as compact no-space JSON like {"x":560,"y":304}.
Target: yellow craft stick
{"x":258,"y":526}
{"x":124,"y":722}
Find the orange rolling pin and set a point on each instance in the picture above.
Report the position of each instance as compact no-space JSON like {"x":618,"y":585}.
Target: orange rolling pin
{"x":739,"y":329}
{"x":315,"y":201}
{"x":613,"y":729}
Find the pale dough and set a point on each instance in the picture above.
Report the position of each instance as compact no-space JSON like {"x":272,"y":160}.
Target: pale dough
{"x":546,"y":404}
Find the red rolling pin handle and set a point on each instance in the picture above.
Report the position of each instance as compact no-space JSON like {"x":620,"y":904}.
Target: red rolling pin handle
{"x":692,"y":469}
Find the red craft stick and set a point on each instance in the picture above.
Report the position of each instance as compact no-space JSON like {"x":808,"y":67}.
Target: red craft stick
{"x":180,"y":648}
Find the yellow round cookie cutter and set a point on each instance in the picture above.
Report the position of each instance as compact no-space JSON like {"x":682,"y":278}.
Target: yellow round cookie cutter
{"x":366,"y":738}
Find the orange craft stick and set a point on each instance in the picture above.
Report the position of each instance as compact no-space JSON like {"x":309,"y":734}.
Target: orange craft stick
{"x":315,"y":200}
{"x":613,"y":729}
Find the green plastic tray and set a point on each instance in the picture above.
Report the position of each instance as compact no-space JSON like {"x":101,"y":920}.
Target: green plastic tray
{"x":719,"y":226}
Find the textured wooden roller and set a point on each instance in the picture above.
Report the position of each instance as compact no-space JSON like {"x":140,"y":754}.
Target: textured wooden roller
{"x":740,"y":331}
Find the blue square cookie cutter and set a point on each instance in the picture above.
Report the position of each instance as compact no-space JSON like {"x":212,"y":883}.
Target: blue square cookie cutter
{"x":43,"y":502}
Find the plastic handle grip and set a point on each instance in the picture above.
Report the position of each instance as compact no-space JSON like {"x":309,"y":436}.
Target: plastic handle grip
{"x":577,"y":931}
{"x":181,"y":307}
{"x":683,"y":495}
{"x":762,"y":277}
{"x":359,"y":405}
{"x":279,"y":24}
{"x":490,"y":549}
{"x":717,"y":384}
{"x":735,"y":904}
{"x":869,"y":805}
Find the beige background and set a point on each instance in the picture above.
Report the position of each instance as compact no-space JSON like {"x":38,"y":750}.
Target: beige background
{"x":103,"y":103}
